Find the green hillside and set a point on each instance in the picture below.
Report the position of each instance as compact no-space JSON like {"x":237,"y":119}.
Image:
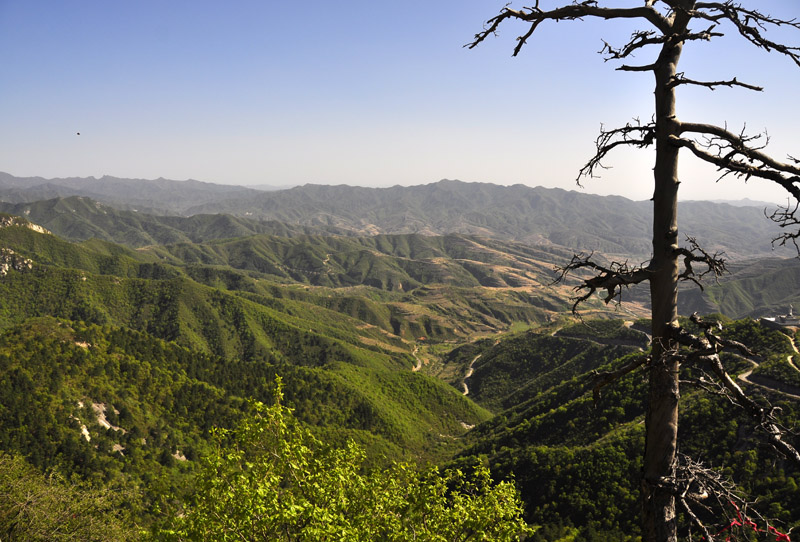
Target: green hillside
{"x":79,"y":218}
{"x":755,"y":288}
{"x":520,"y":367}
{"x":254,"y":334}
{"x":577,"y":459}
{"x":453,"y":305}
{"x":116,"y":362}
{"x":388,"y":262}
{"x":532,"y":215}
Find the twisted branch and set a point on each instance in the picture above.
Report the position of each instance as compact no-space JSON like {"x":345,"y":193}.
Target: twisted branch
{"x":636,"y":135}
{"x":639,"y":39}
{"x":612,"y":278}
{"x":643,"y":38}
{"x":695,"y":483}
{"x":735,"y":154}
{"x":588,"y":8}
{"x":715,"y":265}
{"x":728,"y":150}
{"x":751,"y":24}
{"x":706,"y":350}
{"x":786,"y":217}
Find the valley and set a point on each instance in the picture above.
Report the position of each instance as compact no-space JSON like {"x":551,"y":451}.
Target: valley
{"x":424,"y":324}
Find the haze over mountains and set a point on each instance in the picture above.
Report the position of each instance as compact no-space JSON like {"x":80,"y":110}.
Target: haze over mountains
{"x":158,"y":195}
{"x":582,"y":222}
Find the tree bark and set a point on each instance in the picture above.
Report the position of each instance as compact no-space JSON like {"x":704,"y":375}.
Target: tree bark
{"x":658,"y":513}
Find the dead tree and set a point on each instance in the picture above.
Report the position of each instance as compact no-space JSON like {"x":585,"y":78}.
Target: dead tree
{"x":669,"y":25}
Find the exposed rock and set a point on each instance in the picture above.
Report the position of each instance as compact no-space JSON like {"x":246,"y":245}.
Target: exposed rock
{"x":9,"y":220}
{"x":9,"y":260}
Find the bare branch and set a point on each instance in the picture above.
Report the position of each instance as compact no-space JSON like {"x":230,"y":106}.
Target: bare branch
{"x":734,"y":154}
{"x":643,"y":38}
{"x":638,"y":40}
{"x":695,"y":484}
{"x":577,"y":10}
{"x":706,"y":350}
{"x":715,"y":265}
{"x":786,"y":217}
{"x":635,"y":135}
{"x":751,"y":24}
{"x":645,"y":68}
{"x":703,"y":529}
{"x":710,"y":343}
{"x":708,"y":328}
{"x":679,"y":79}
{"x":612,"y":278}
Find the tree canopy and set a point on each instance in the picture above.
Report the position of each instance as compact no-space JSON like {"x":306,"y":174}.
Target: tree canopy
{"x":270,"y":479}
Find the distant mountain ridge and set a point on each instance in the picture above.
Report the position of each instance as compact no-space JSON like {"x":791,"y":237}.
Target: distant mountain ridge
{"x":80,"y":218}
{"x":609,"y":224}
{"x":158,"y":196}
{"x":581,"y":222}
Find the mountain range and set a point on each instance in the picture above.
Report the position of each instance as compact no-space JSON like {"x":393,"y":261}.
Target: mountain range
{"x":582,"y":222}
{"x":423,"y":323}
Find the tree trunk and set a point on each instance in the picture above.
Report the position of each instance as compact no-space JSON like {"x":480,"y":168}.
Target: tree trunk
{"x":658,"y":514}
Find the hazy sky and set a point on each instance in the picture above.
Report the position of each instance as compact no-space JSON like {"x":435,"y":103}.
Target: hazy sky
{"x":369,"y":93}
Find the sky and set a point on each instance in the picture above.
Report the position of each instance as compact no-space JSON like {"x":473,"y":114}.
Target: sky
{"x":367,"y":93}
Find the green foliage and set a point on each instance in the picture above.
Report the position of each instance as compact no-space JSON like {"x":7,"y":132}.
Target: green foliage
{"x":270,"y":479}
{"x":521,"y":367}
{"x":576,"y":459}
{"x":35,"y":507}
{"x":755,"y":288}
{"x":79,"y":219}
{"x":171,"y":341}
{"x":162,"y":399}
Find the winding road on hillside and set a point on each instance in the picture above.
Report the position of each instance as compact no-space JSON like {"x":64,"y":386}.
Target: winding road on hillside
{"x":796,"y":351}
{"x":745,"y":376}
{"x":470,"y":370}
{"x":418,"y":366}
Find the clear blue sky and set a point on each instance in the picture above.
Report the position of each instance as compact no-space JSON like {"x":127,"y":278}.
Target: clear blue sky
{"x":351,"y":92}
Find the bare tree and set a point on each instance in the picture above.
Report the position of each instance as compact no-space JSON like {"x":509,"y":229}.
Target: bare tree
{"x":669,"y":25}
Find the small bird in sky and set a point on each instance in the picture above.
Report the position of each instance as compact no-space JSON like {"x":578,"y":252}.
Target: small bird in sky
{"x":78,"y":133}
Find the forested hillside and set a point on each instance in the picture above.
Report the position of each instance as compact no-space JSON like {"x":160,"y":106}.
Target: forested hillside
{"x":576,"y":456}
{"x":126,"y":342}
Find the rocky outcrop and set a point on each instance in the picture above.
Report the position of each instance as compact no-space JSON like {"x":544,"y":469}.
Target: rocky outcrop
{"x":9,"y":260}
{"x":10,"y":220}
